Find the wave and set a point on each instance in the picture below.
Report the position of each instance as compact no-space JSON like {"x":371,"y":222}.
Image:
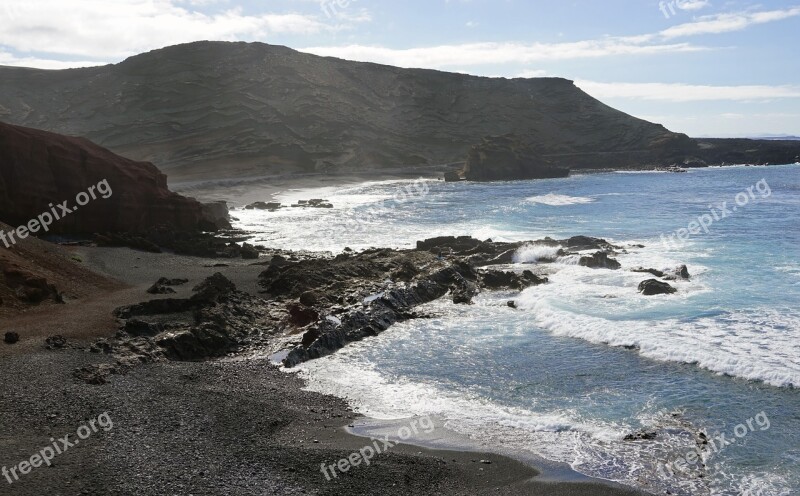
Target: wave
{"x":532,"y":253}
{"x":590,"y":445}
{"x":753,"y":345}
{"x":555,"y":200}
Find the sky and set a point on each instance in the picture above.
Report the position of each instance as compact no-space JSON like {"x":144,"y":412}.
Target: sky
{"x":701,"y":67}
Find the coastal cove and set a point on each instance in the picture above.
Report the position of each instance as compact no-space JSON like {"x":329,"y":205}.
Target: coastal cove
{"x":675,"y":362}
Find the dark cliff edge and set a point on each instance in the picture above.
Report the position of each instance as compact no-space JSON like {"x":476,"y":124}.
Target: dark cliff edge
{"x":100,"y":191}
{"x":211,"y":110}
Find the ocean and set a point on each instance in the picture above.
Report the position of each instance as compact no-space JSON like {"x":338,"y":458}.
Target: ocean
{"x":585,"y":360}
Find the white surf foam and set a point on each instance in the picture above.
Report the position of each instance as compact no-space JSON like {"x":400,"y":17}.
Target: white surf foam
{"x":593,"y":447}
{"x":532,"y":253}
{"x":556,"y":200}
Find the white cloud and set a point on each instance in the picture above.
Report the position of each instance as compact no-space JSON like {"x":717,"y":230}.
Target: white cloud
{"x":476,"y":54}
{"x":472,"y":54}
{"x":532,"y":73}
{"x":726,"y":23}
{"x":10,"y":60}
{"x":692,"y":4}
{"x":103,"y":29}
{"x":687,"y":92}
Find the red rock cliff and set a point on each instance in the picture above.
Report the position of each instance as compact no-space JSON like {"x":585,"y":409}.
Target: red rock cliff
{"x":39,"y":168}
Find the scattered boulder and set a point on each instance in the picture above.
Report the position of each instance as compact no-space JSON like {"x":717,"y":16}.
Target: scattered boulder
{"x":29,"y":287}
{"x":682,"y":272}
{"x":600,"y":260}
{"x":260,"y":205}
{"x":56,"y":342}
{"x":249,"y":252}
{"x":11,"y":338}
{"x":313,"y":203}
{"x":302,"y":316}
{"x":652,"y":287}
{"x":163,"y":285}
{"x":160,"y":288}
{"x":212,"y":289}
{"x":463,"y":293}
{"x":453,"y":176}
{"x":312,"y":298}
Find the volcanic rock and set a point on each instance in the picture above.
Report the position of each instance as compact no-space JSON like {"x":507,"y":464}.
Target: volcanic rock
{"x":504,"y":158}
{"x":655,"y":287}
{"x":600,"y":260}
{"x":40,"y":168}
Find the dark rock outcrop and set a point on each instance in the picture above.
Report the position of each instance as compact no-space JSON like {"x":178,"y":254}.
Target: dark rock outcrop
{"x":453,"y":176}
{"x":11,"y":337}
{"x":655,"y":272}
{"x":29,"y":287}
{"x":55,"y":342}
{"x":249,"y":252}
{"x":220,"y":319}
{"x":495,"y":279}
{"x":641,"y":436}
{"x":164,"y":285}
{"x":600,"y":260}
{"x":655,"y":287}
{"x":504,"y":158}
{"x":39,"y":168}
{"x":260,"y":205}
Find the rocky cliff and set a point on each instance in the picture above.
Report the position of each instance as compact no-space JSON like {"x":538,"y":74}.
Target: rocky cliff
{"x":507,"y":157}
{"x":221,"y":110}
{"x":40,"y":171}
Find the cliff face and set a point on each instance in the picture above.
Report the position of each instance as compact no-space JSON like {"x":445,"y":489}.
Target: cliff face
{"x":507,"y":157}
{"x":40,"y":170}
{"x":214,"y":109}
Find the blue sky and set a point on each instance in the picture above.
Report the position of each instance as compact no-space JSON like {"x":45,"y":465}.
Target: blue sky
{"x":703,"y":67}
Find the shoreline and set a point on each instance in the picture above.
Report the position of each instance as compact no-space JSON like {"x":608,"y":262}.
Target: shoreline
{"x":267,"y":188}
{"x":261,"y":419}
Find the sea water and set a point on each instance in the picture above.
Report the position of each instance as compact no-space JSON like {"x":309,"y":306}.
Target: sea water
{"x":586,"y":360}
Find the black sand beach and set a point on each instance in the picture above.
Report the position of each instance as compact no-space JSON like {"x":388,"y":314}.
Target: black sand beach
{"x":235,"y":425}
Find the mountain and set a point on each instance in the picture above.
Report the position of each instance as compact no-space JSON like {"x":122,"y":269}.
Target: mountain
{"x":221,"y":110}
{"x":100,"y":191}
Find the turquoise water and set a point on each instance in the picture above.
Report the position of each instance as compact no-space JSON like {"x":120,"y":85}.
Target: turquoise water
{"x":586,"y":360}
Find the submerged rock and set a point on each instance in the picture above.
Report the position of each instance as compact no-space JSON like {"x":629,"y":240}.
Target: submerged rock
{"x":641,"y":436}
{"x":654,"y":272}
